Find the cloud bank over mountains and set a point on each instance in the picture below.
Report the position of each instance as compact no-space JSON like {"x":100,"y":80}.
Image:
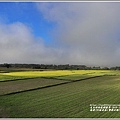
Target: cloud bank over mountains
{"x":84,"y":33}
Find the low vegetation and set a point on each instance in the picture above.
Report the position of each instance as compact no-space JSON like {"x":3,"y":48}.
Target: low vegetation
{"x":58,"y":93}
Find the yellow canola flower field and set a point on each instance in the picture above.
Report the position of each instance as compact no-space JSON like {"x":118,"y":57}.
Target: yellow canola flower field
{"x":58,"y":73}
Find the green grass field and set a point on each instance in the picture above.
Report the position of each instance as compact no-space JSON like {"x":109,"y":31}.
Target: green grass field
{"x":58,"y":94}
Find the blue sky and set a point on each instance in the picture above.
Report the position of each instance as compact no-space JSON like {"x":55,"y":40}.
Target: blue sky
{"x":27,"y":13}
{"x":60,"y":33}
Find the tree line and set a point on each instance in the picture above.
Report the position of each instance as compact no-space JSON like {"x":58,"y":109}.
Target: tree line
{"x":58,"y":67}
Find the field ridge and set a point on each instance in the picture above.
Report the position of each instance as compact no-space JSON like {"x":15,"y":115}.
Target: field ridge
{"x":48,"y":86}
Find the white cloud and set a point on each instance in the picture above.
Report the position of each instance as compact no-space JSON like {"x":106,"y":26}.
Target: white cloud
{"x":18,"y":45}
{"x":85,"y":33}
{"x":89,"y":29}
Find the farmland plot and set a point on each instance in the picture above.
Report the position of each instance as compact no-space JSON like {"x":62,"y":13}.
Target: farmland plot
{"x":69,"y":100}
{"x":21,"y":85}
{"x":58,"y":73}
{"x":9,"y":78}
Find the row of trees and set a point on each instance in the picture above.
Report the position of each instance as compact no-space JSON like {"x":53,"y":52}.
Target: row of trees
{"x":57,"y":67}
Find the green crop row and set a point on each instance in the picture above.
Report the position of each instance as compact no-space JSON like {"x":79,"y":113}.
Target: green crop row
{"x":65,"y":101}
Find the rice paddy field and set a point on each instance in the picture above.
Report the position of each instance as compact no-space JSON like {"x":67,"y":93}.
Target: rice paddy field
{"x":58,"y":94}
